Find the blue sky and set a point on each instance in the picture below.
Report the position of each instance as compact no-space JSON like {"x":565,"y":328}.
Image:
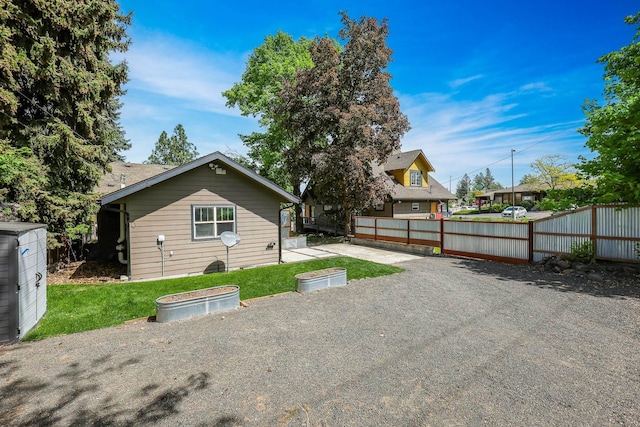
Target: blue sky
{"x":475,"y":78}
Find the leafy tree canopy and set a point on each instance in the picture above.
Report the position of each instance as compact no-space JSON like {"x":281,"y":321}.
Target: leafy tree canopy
{"x":174,"y":150}
{"x":551,"y":172}
{"x":278,"y":58}
{"x":613,"y":128}
{"x":344,"y":115}
{"x":59,"y":105}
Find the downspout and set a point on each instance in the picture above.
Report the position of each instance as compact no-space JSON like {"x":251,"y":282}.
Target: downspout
{"x":280,"y":231}
{"x":124,"y":237}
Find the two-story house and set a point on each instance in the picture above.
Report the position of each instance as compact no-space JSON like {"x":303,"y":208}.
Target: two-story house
{"x":413,"y":193}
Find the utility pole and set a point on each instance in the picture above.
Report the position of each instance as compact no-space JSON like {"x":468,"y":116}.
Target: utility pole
{"x":513,"y":190}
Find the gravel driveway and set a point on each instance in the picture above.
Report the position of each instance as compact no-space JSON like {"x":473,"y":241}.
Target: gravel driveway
{"x":449,"y":342}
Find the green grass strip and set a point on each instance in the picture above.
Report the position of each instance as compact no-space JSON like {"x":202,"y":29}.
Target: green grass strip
{"x":77,"y":308}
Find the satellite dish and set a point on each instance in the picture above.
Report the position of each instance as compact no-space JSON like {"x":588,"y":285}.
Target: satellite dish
{"x":229,"y":239}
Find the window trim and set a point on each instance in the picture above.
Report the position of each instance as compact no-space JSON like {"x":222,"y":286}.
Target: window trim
{"x":215,"y":236}
{"x":412,"y":174}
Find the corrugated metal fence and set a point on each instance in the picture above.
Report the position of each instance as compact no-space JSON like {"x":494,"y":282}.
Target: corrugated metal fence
{"x":613,"y":231}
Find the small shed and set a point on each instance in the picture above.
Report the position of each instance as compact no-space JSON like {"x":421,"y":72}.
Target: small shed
{"x":23,"y":278}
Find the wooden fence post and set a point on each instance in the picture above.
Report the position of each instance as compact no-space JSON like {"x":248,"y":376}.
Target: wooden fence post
{"x":530,"y":242}
{"x":442,"y":235}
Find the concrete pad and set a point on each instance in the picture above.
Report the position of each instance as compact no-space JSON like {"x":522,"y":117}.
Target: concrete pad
{"x":304,"y":254}
{"x":381,"y":256}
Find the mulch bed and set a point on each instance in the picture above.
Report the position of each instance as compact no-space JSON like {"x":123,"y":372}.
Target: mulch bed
{"x":86,"y":272}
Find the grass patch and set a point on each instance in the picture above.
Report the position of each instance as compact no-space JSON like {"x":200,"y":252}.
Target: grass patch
{"x":313,"y":240}
{"x":77,"y":308}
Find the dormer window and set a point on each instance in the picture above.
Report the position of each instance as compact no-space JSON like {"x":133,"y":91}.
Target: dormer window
{"x":416,"y":178}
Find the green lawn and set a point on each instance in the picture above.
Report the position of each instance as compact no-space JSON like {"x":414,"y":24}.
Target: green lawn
{"x":76,"y":308}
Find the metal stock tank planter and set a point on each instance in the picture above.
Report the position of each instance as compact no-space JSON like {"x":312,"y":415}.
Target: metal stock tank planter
{"x":197,"y":303}
{"x":320,"y":279}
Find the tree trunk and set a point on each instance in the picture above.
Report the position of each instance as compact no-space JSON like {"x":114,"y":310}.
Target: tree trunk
{"x":298,"y":207}
{"x":347,"y":222}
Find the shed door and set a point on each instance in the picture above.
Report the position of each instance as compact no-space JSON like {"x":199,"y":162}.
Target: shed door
{"x":8,"y":289}
{"x":32,"y":277}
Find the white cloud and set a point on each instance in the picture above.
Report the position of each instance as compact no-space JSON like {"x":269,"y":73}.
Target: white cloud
{"x":460,"y":82}
{"x":536,"y":87}
{"x":187,"y":74}
{"x":468,"y":136}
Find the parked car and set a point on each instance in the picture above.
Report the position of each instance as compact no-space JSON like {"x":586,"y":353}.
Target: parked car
{"x":519,"y":212}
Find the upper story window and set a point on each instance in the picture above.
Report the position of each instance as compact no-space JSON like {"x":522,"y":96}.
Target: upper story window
{"x":416,"y":178}
{"x":211,"y":221}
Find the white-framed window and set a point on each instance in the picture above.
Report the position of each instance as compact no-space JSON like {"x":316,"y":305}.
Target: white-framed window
{"x":210,"y":221}
{"x":415,"y":206}
{"x":416,"y":178}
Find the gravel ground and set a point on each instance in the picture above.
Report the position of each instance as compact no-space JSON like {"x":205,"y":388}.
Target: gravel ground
{"x":449,"y":342}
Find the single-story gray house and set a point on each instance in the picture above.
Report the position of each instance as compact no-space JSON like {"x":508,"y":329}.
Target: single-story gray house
{"x":188,"y":207}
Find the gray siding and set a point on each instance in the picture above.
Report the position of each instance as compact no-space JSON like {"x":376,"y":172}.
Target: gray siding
{"x":32,"y":276}
{"x":165,"y":208}
{"x":8,"y":298}
{"x":404,"y":209}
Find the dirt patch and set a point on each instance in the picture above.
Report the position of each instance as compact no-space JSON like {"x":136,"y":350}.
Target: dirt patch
{"x":86,"y":272}
{"x":197,"y":294}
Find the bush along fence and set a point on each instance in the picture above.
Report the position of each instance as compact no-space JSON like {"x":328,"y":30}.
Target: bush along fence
{"x":609,"y":232}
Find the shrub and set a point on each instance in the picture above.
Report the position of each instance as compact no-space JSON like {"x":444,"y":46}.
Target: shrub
{"x":527,"y":204}
{"x":498,"y":207}
{"x":582,"y":252}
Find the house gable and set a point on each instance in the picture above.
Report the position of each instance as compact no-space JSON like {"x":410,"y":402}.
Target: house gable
{"x":400,"y":166}
{"x":217,"y":162}
{"x":165,"y":205}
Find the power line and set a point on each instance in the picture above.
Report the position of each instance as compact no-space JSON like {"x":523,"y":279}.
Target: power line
{"x":553,"y":135}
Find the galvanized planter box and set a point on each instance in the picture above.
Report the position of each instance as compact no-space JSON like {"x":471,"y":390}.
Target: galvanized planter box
{"x":197,"y":303}
{"x":320,"y":279}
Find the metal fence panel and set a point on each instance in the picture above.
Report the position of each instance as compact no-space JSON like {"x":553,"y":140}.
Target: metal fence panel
{"x":491,"y":229}
{"x":365,"y":222}
{"x":618,"y":222}
{"x":578,"y":222}
{"x":489,"y":247}
{"x":616,"y":249}
{"x":424,"y":225}
{"x":545,"y":245}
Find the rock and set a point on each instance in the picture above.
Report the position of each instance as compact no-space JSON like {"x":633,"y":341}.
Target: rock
{"x":567,"y":271}
{"x":627,"y":269}
{"x":564,"y":264}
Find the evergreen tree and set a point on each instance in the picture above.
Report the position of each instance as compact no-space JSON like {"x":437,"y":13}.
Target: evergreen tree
{"x":59,"y":105}
{"x":464,"y":187}
{"x":174,"y":150}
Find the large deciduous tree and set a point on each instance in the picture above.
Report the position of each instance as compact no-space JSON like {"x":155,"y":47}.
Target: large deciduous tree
{"x":59,"y":105}
{"x":256,"y":95}
{"x":345,"y":116}
{"x":613,"y":129}
{"x":173,"y":150}
{"x":551,"y":172}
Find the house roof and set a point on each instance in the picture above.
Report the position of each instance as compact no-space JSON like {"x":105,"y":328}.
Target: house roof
{"x":524,"y":188}
{"x":434,"y":191}
{"x":147,"y":177}
{"x":128,"y":174}
{"x":402,"y":161}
